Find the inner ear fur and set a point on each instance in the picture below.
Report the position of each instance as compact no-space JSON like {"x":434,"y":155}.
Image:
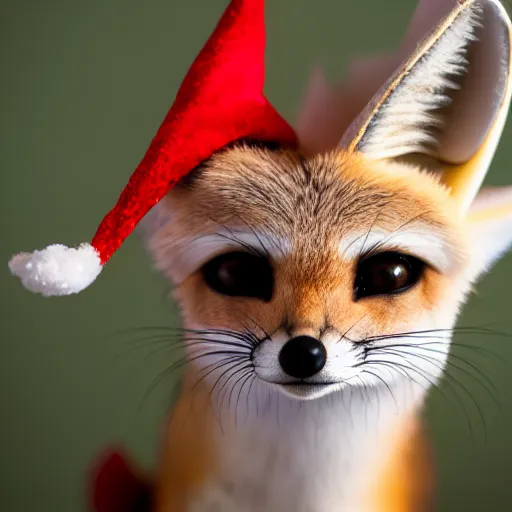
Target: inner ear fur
{"x":446,"y":104}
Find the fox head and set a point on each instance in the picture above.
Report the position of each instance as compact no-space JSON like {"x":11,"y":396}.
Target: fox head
{"x":345,"y":263}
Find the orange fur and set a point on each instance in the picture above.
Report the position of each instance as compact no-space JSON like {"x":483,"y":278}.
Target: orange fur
{"x":407,"y":480}
{"x":188,"y":456}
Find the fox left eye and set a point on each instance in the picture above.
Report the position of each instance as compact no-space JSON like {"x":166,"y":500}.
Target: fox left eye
{"x":387,"y":273}
{"x":240,"y":274}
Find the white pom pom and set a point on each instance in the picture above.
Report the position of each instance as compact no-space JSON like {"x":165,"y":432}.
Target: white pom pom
{"x":57,"y":270}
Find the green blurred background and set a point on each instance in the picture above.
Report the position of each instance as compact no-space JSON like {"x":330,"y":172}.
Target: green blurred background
{"x":83,"y":88}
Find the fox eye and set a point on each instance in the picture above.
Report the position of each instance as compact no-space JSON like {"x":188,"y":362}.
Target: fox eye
{"x":387,"y":273}
{"x":240,"y":274}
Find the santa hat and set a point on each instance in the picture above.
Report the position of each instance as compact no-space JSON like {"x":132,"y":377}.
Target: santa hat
{"x":219,"y":102}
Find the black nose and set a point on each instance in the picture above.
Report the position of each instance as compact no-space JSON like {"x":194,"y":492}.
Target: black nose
{"x":302,"y":357}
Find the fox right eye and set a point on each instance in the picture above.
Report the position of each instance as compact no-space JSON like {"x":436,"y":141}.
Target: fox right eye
{"x":240,"y":274}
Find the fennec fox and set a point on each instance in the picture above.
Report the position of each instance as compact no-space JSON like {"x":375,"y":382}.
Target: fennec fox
{"x":318,"y":288}
{"x":319,"y":279}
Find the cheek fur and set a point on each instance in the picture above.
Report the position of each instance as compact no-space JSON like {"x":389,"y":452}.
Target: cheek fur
{"x":200,"y":305}
{"x":433,"y":297}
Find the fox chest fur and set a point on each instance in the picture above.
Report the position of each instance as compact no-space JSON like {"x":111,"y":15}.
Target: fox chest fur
{"x":337,"y":453}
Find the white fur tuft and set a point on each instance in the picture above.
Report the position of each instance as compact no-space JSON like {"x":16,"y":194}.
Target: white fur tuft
{"x":57,"y":269}
{"x":409,"y":120}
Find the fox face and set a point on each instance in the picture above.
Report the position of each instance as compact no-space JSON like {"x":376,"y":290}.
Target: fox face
{"x":311,"y":270}
{"x":315,"y":273}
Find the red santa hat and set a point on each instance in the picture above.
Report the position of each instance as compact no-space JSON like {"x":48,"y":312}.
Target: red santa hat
{"x":219,"y":102}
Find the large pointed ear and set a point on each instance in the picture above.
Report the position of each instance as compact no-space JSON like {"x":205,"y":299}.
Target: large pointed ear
{"x":447,"y":103}
{"x":490,"y":228}
{"x":327,"y":110}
